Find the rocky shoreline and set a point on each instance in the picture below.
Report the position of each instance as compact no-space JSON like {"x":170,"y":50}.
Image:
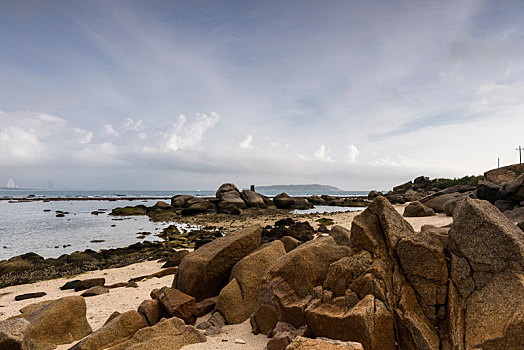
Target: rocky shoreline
{"x":375,"y":282}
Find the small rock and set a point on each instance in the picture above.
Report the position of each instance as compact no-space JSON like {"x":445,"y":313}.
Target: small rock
{"x":212,"y":330}
{"x":29,"y":296}
{"x":239,"y":341}
{"x":205,"y":306}
{"x":203,"y":325}
{"x":86,"y":284}
{"x":94,"y":291}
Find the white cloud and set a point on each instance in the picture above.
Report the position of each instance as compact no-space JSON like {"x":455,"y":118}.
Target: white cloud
{"x":109,"y":130}
{"x":352,"y":154}
{"x":246,"y":143}
{"x":83,"y":137}
{"x":184,"y":134}
{"x":323,"y":154}
{"x":131,"y":124}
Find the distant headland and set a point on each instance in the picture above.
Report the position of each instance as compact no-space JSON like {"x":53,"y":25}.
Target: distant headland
{"x":290,"y":188}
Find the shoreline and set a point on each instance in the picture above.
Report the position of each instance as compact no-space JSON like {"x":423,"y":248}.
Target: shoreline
{"x":123,"y":299}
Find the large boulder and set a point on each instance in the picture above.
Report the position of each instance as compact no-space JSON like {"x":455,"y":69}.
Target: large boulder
{"x":60,"y":322}
{"x":487,"y":190}
{"x":379,"y":230}
{"x":374,"y":194}
{"x":204,"y":272}
{"x":486,"y":291}
{"x":437,"y":203}
{"x":368,"y":322}
{"x":513,"y":190}
{"x":287,"y":286}
{"x":196,"y":208}
{"x":253,"y":199}
{"x":417,"y":209}
{"x":15,"y":335}
{"x":180,"y":201}
{"x":424,"y":264}
{"x":229,"y":194}
{"x":168,"y":334}
{"x":283,"y":201}
{"x":238,"y":300}
{"x":116,"y":331}
{"x":515,"y":215}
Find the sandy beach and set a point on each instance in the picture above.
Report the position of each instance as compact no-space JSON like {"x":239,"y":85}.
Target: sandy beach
{"x":124,"y":299}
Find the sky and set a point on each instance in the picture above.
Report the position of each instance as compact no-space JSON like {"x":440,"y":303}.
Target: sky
{"x":174,"y":95}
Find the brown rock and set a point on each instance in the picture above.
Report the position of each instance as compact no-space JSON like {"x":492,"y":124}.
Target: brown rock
{"x":174,"y":303}
{"x":283,"y":334}
{"x":283,"y":201}
{"x":29,"y":296}
{"x":113,"y":315}
{"x":150,"y":309}
{"x":165,"y":272}
{"x":253,"y":199}
{"x":15,"y":335}
{"x":60,"y":322}
{"x":368,"y":322}
{"x":417,"y":209}
{"x":344,"y":271}
{"x":238,"y":300}
{"x":116,"y":331}
{"x":204,"y":272}
{"x":286,"y":288}
{"x":290,"y":243}
{"x":205,"y":306}
{"x":175,"y":258}
{"x":28,"y":309}
{"x":86,"y":284}
{"x":168,"y":334}
{"x":486,"y":291}
{"x":437,"y":203}
{"x":301,"y":343}
{"x":341,"y":235}
{"x":94,"y":291}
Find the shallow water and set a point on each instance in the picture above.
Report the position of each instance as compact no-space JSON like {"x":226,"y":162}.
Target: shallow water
{"x":25,"y":227}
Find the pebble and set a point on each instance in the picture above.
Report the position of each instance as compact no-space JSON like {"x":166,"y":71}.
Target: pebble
{"x":239,"y":341}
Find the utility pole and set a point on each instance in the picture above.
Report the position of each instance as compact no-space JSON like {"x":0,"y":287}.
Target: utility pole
{"x":498,"y":162}
{"x":520,"y":149}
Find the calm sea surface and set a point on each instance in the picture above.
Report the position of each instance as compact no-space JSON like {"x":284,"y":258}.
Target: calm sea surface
{"x":34,"y":227}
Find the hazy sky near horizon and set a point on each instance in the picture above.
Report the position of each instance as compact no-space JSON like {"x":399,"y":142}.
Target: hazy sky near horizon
{"x":191,"y":94}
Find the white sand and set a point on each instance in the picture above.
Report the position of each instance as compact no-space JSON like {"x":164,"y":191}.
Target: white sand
{"x":124,"y":299}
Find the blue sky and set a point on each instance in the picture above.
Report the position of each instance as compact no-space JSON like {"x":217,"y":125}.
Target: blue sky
{"x":185,"y":95}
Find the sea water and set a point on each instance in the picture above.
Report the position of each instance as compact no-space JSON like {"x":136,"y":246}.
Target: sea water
{"x":33,"y":226}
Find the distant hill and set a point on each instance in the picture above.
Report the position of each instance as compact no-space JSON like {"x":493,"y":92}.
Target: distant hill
{"x":298,"y":188}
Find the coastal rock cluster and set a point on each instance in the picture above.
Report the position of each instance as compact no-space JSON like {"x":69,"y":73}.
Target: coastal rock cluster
{"x":230,"y":200}
{"x":506,"y":193}
{"x":379,"y":285}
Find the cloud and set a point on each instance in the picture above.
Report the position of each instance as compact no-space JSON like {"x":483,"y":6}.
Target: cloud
{"x":131,"y":124}
{"x":352,"y":154}
{"x":109,"y":130}
{"x":184,"y":134}
{"x":246,"y":142}
{"x":323,"y":154}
